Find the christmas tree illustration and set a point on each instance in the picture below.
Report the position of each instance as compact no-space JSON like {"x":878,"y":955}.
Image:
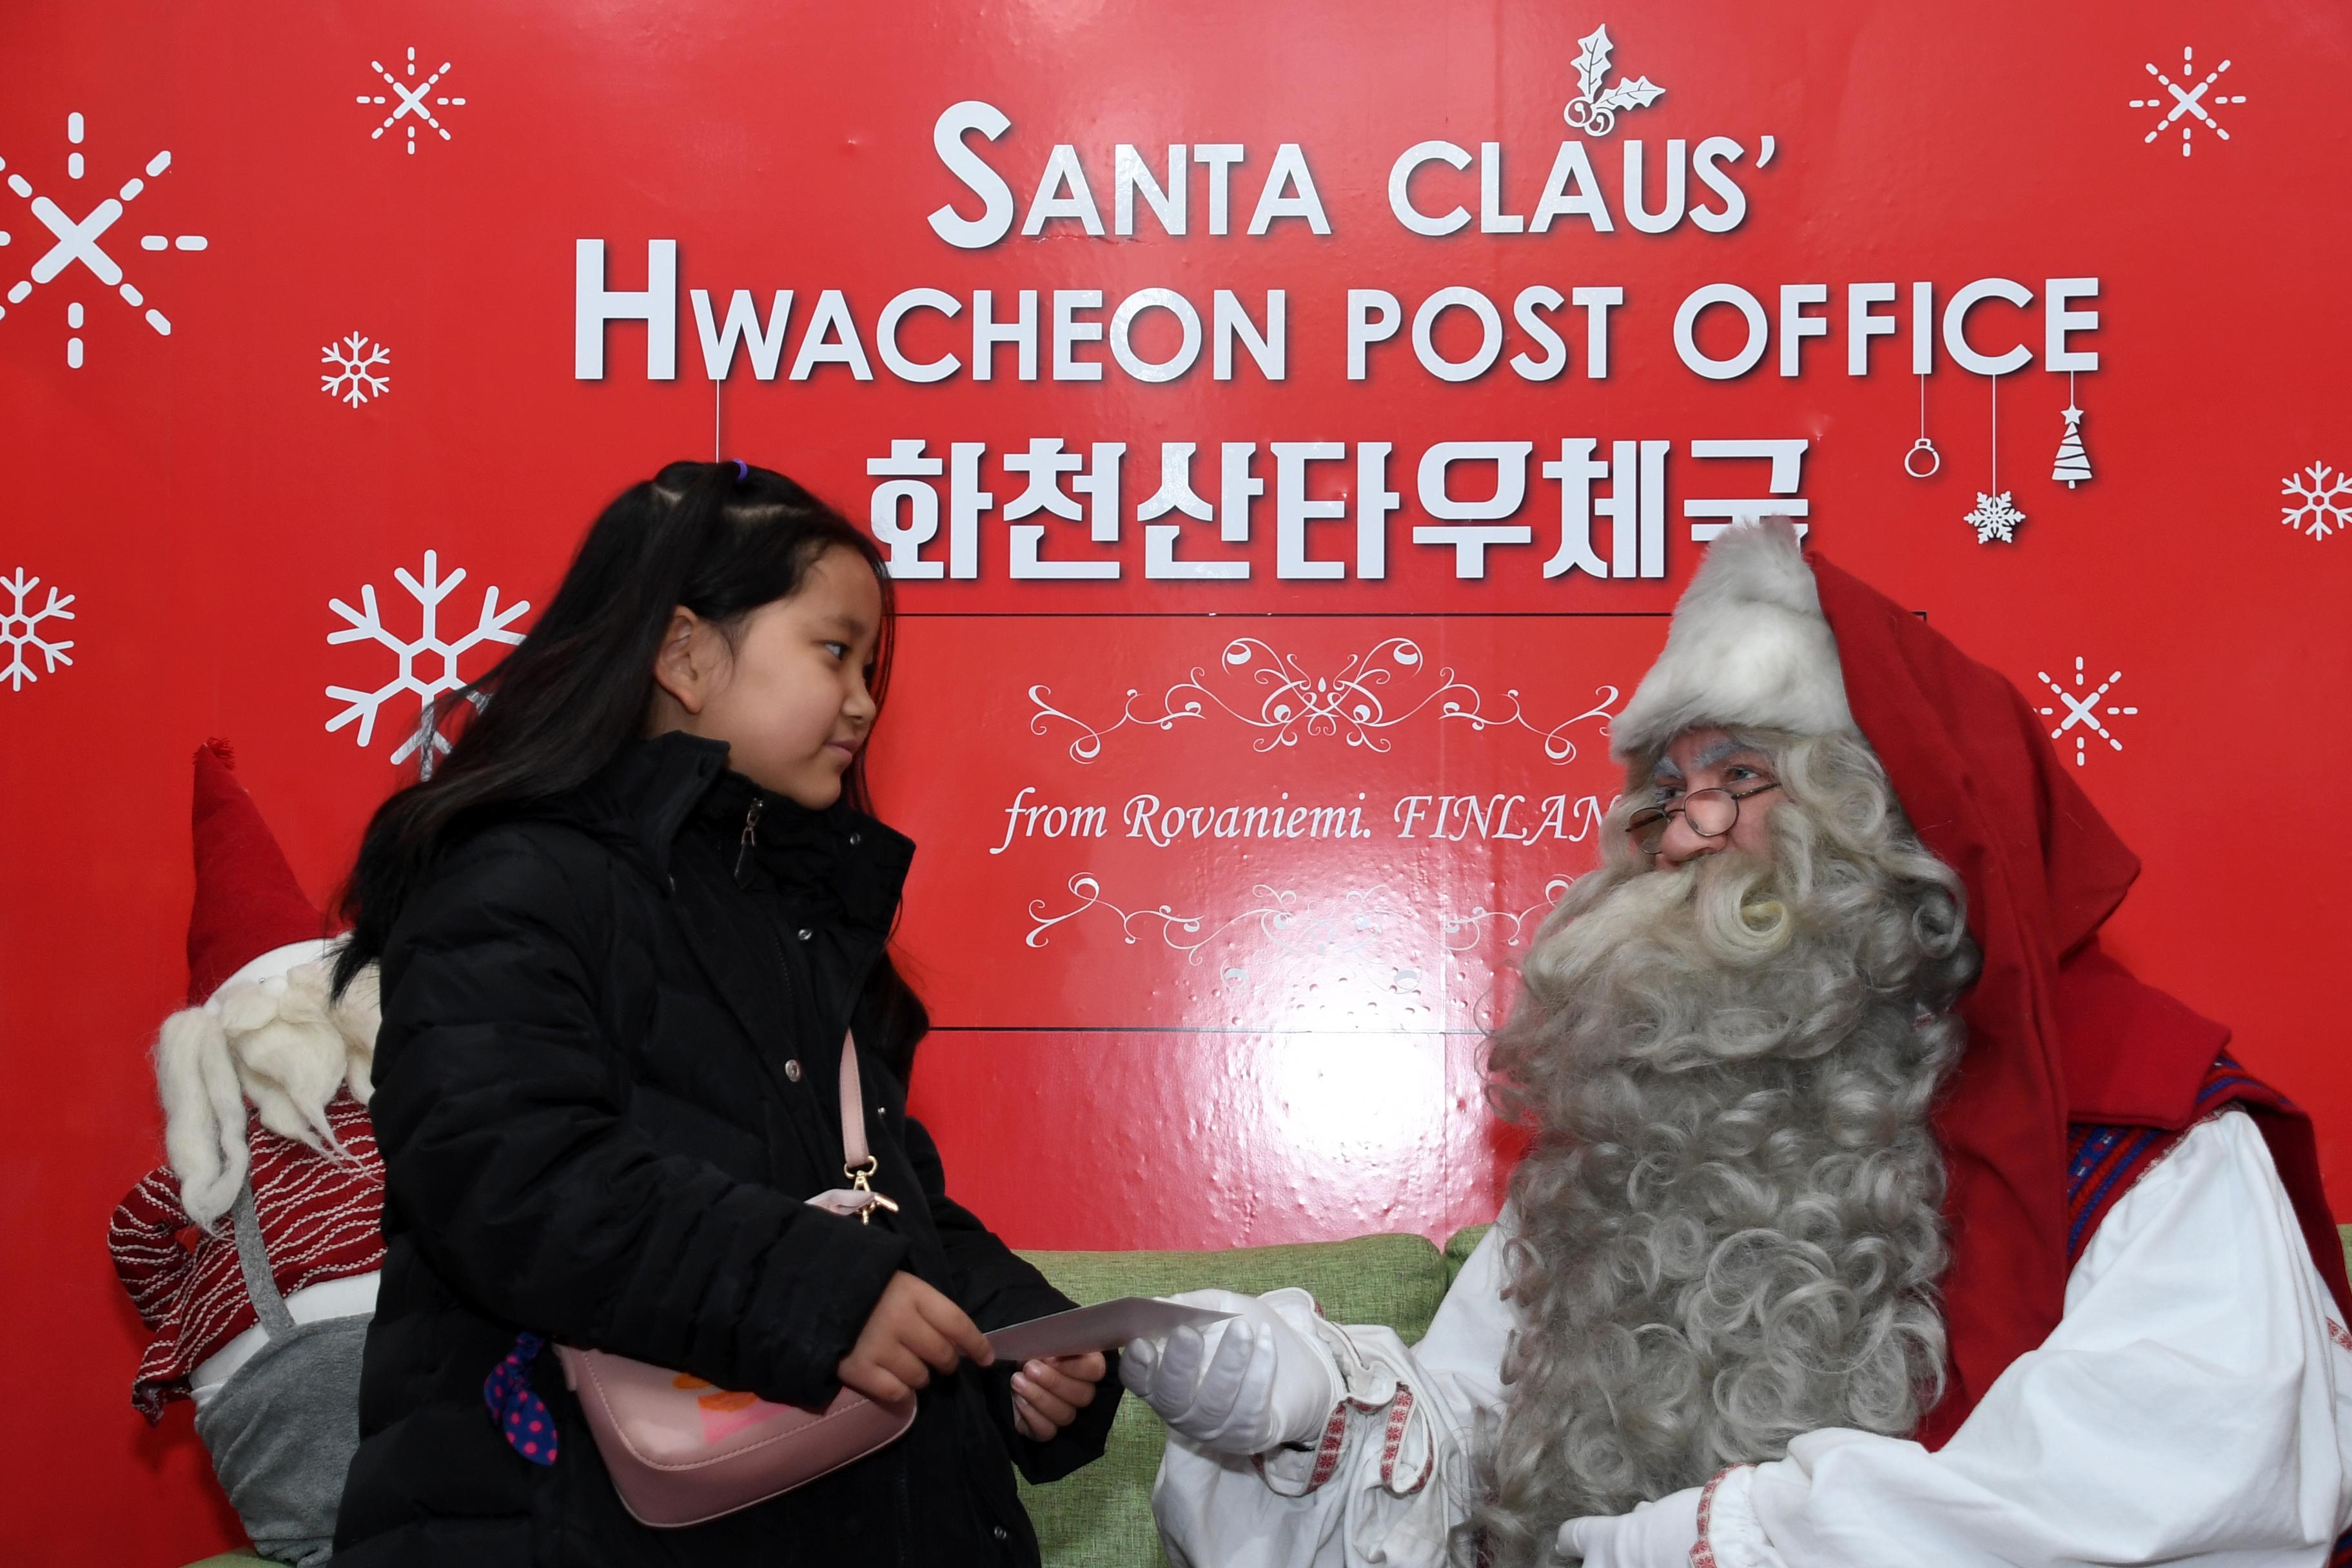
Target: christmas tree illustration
{"x":2074,"y":464}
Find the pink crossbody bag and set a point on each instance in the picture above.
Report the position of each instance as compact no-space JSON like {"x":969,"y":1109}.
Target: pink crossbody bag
{"x":681,"y":1451}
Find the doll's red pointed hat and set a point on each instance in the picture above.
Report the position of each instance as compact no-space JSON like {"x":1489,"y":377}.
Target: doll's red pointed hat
{"x":247,"y":902}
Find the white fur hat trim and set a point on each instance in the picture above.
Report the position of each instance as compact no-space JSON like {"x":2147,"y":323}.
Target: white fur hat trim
{"x":1749,"y":646}
{"x":273,"y":963}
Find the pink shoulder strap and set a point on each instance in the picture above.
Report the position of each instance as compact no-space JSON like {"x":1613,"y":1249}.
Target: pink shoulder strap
{"x":858,"y":1160}
{"x":854,"y":1151}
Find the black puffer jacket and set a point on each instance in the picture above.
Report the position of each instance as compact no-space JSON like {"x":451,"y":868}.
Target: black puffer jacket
{"x":607,"y":1079}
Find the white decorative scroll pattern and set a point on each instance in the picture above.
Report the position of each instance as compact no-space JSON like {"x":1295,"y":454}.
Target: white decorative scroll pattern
{"x":1346,"y":929}
{"x":1364,"y":914}
{"x":1475,"y":922}
{"x":1365,"y":697}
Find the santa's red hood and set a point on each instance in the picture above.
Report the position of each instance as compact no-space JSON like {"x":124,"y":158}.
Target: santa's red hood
{"x":2057,"y":1031}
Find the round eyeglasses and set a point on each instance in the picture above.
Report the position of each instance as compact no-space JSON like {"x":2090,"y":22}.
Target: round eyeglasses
{"x":1712,"y":813}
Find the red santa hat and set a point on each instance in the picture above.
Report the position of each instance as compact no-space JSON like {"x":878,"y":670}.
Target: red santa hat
{"x":251,"y":919}
{"x":2058,"y":1033}
{"x":261,"y":1025}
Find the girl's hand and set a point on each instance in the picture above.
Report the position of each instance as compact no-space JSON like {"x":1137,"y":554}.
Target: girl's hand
{"x":912,"y":1332}
{"x":1048,"y":1395}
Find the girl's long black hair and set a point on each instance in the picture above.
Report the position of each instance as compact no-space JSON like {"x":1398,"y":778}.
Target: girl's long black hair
{"x":720,"y":539}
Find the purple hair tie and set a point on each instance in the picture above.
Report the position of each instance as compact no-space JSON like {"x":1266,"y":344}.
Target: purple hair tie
{"x":743,"y":469}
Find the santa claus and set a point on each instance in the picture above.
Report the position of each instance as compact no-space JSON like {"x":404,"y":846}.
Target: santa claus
{"x":252,"y":1254}
{"x":1871,"y":1215}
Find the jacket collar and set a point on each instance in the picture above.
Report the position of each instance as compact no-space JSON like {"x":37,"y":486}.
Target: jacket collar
{"x":652,"y":786}
{"x":662,"y":789}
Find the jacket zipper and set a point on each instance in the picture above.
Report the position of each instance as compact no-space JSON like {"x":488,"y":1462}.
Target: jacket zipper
{"x":742,"y":851}
{"x":751,"y":834}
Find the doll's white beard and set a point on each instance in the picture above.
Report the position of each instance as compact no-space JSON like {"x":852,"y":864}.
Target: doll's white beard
{"x":284,"y":1045}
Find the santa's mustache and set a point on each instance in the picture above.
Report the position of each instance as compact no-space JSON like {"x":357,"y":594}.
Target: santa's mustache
{"x":1629,"y":944}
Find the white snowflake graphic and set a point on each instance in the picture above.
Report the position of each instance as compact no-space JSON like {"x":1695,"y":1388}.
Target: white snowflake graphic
{"x":1995,"y":518}
{"x":1594,"y":109}
{"x":21,"y":625}
{"x":2187,"y":105}
{"x":418,"y":673}
{"x":2322,"y":507}
{"x":354,"y":361}
{"x":2082,"y":711}
{"x":75,"y":241}
{"x":411,"y":100}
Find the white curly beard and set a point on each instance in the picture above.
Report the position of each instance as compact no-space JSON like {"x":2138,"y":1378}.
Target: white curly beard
{"x":1727,"y":1227}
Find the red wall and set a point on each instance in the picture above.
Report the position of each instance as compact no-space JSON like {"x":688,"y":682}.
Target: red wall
{"x":1208,"y":1040}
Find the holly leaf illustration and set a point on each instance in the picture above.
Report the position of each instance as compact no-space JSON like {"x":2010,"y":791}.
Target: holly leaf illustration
{"x":1593,"y":64}
{"x":1639,"y":93}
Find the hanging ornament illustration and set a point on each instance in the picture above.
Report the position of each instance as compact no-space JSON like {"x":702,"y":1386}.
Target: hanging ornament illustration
{"x":1922,"y":461}
{"x":2074,"y":465}
{"x":1994,"y":517}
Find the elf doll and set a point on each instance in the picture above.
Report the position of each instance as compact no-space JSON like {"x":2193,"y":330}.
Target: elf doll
{"x":252,"y":1253}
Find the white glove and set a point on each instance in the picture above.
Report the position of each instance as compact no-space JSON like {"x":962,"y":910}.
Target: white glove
{"x":1245,"y":1386}
{"x":1655,"y":1536}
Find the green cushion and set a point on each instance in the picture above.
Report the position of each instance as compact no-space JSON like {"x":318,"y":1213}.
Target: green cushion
{"x":1458,"y":1249}
{"x":1101,"y":1517}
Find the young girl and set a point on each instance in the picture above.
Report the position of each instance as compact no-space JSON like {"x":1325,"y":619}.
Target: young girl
{"x":622,"y":927}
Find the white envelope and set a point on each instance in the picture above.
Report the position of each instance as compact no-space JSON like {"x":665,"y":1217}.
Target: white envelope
{"x":1104,"y":1327}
